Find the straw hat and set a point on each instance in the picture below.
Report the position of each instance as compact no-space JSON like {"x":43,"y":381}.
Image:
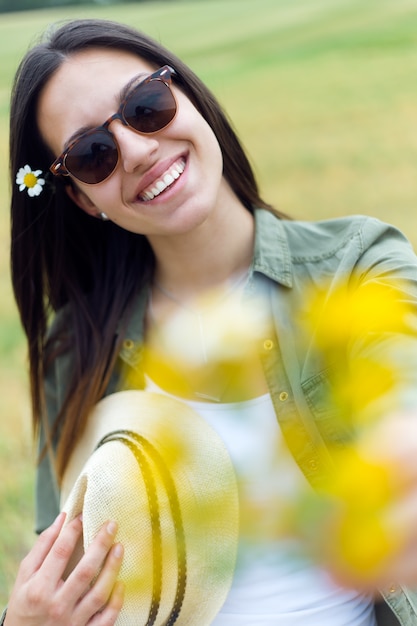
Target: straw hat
{"x":155,"y":466}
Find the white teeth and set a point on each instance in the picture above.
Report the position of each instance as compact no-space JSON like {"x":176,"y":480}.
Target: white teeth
{"x":167,"y":179}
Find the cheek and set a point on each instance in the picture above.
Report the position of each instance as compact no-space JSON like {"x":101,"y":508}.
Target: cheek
{"x":192,"y":125}
{"x":209,"y":147}
{"x":214,"y":155}
{"x":210,"y":144}
{"x":104,"y":194}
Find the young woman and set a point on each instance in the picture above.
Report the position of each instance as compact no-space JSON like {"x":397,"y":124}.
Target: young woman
{"x":134,"y":197}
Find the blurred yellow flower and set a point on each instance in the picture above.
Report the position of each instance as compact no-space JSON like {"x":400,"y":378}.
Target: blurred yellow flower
{"x":210,"y":345}
{"x":356,"y":387}
{"x":361,"y":493}
{"x":372,"y":308}
{"x":360,"y":337}
{"x":353,"y":332}
{"x":344,"y":522}
{"x":343,"y":525}
{"x":353,"y":471}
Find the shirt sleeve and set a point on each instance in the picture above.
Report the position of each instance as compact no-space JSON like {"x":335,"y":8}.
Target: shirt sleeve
{"x":47,"y":491}
{"x":387,"y":268}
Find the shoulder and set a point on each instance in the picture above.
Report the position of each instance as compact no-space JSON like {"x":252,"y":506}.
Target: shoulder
{"x":358,"y":233}
{"x":289,"y":250}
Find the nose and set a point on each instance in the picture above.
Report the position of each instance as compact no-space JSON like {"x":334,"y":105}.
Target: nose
{"x":136,"y":149}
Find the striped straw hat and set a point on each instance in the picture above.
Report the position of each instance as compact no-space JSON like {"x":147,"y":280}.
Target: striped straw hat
{"x":152,"y":464}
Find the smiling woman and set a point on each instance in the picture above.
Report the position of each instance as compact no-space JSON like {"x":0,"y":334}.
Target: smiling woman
{"x":145,"y":262}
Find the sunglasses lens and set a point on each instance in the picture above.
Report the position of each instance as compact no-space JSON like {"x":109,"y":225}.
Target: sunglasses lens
{"x":150,"y":107}
{"x":93,"y":158}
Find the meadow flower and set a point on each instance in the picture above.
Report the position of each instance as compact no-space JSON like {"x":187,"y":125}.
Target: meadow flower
{"x":361,"y":338}
{"x":374,"y":309}
{"x":212,"y":343}
{"x":30,"y":179}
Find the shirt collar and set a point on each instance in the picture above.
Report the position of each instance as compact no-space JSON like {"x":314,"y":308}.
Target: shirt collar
{"x":271,"y":254}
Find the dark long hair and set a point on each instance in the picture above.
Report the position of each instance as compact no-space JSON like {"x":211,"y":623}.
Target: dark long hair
{"x":63,"y":258}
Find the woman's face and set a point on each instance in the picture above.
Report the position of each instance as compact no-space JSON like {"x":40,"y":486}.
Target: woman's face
{"x":82,"y":94}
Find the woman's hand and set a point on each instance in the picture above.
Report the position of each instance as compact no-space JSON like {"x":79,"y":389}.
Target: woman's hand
{"x":41,"y":597}
{"x":393,"y":443}
{"x":383,"y":498}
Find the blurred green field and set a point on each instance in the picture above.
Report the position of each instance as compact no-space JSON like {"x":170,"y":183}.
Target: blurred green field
{"x":324,"y":96}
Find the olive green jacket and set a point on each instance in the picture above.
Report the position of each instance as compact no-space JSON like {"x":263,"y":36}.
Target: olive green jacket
{"x":292,"y":258}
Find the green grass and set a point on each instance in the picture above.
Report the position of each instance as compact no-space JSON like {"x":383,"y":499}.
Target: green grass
{"x":324,"y":96}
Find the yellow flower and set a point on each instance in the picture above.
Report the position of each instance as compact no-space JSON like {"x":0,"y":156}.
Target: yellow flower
{"x":361,"y":492}
{"x":30,"y":179}
{"x":362,"y":485}
{"x":344,"y":524}
{"x":365,"y":383}
{"x":211,"y":345}
{"x":360,"y":336}
{"x":372,"y":308}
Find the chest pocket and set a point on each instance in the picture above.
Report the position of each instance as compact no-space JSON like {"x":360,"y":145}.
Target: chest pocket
{"x":334,"y":424}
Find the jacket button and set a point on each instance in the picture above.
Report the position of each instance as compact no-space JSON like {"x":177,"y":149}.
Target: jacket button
{"x":268,"y":344}
{"x":128,"y":344}
{"x":313,"y":464}
{"x":283,"y":396}
{"x":393,"y":588}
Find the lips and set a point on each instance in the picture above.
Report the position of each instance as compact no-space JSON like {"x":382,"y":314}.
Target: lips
{"x":165,"y":180}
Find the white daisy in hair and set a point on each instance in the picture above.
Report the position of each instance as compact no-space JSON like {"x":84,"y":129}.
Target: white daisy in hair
{"x":30,"y":179}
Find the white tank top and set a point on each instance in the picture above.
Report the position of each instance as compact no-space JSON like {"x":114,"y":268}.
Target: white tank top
{"x":274,"y":584}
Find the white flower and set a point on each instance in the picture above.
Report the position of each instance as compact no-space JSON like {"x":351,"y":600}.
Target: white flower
{"x":29,"y":179}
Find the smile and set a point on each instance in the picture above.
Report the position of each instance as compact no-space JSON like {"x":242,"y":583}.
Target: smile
{"x":166,"y":180}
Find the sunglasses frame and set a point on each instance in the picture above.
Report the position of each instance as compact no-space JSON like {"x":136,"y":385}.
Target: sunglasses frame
{"x":163,"y":74}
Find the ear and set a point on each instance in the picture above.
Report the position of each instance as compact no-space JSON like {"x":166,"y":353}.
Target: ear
{"x":82,"y":200}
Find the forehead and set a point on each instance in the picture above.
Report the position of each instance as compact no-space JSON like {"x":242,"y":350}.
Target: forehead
{"x":85,"y":91}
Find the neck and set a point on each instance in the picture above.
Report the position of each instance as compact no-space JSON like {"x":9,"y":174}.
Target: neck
{"x":208,"y":256}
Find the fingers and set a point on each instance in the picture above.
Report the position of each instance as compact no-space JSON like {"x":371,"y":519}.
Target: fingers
{"x":36,"y":557}
{"x":101,"y":559}
{"x":108,"y":616}
{"x":60,"y":553}
{"x":90,"y":594}
{"x":393,"y":441}
{"x":104,"y":593}
{"x":115,"y":604}
{"x":116,"y":601}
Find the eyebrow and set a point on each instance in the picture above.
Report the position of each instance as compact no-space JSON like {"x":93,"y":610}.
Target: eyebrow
{"x":124,"y":92}
{"x":122,"y":96}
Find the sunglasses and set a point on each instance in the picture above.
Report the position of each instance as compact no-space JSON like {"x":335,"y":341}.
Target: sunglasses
{"x":148,"y":108}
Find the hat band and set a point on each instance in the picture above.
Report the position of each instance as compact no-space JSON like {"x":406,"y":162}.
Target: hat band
{"x":142,"y":449}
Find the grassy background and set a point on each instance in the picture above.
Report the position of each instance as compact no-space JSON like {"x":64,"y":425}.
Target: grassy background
{"x":324,"y":96}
